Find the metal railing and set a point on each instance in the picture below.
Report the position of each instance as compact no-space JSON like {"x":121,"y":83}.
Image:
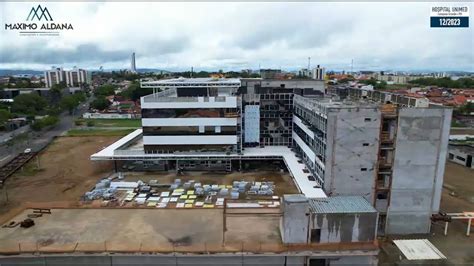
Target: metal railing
{"x":162,"y":98}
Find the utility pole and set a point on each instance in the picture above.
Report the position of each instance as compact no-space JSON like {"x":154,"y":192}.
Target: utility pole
{"x":352,"y":66}
{"x":38,"y":161}
{"x":309,"y":62}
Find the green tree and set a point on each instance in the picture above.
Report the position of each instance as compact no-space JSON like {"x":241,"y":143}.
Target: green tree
{"x":79,"y":97}
{"x":29,"y":104}
{"x":4,"y":116}
{"x":105,"y":90}
{"x":56,"y":93}
{"x":134,"y":92}
{"x":100,"y":103}
{"x":465,"y":109}
{"x":45,"y":122}
{"x":70,"y":102}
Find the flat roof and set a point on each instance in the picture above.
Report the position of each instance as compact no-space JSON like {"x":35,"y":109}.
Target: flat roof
{"x":418,"y":249}
{"x":465,"y":148}
{"x":341,"y":204}
{"x":127,"y":229}
{"x":183,"y":231}
{"x":198,"y":81}
{"x":134,"y":151}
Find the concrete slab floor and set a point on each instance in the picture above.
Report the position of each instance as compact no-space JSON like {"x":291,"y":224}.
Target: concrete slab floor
{"x":128,"y":229}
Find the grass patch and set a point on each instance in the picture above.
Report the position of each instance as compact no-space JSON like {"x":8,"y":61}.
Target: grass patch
{"x":455,"y":123}
{"x":112,"y":122}
{"x":29,"y":169}
{"x":98,"y":132}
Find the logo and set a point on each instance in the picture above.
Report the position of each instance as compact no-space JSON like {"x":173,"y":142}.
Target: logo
{"x":449,"y":16}
{"x":39,"y":13}
{"x":39,"y":22}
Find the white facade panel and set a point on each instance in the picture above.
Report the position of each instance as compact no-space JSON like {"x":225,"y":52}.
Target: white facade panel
{"x":189,"y":140}
{"x":230,"y":102}
{"x":252,"y":123}
{"x":300,"y":124}
{"x":163,"y":122}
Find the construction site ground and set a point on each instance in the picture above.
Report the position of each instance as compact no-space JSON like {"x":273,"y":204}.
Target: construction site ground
{"x":66,"y":172}
{"x":458,"y":196}
{"x":131,"y":229}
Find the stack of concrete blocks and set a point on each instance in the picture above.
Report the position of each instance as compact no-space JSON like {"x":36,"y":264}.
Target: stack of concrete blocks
{"x":101,"y":190}
{"x":294,"y":222}
{"x":176,"y":184}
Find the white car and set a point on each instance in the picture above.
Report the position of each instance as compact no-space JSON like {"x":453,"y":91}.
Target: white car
{"x":27,"y":150}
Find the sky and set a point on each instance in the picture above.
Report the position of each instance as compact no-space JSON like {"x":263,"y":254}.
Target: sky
{"x":235,"y":36}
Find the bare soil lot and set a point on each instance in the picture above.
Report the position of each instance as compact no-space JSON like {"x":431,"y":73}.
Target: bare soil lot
{"x":456,"y":246}
{"x":65,"y":173}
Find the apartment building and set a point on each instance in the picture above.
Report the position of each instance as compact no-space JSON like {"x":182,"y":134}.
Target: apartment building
{"x":392,"y":155}
{"x":72,"y":78}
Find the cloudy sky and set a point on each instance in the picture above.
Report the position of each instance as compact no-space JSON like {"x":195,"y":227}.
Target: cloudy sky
{"x":233,"y":36}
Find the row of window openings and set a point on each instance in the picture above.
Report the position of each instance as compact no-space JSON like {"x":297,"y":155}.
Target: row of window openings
{"x":317,"y":122}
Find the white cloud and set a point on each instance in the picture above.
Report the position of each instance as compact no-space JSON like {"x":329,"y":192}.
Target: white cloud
{"x":239,"y":35}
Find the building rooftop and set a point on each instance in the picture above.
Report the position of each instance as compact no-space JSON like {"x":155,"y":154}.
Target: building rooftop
{"x":465,"y":148}
{"x":193,"y":82}
{"x":121,"y":230}
{"x":340,"y":204}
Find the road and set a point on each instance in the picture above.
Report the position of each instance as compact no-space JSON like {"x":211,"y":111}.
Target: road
{"x":38,"y":140}
{"x":9,"y":135}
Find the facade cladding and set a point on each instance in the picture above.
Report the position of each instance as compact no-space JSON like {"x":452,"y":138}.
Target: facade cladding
{"x":192,"y":115}
{"x":275,"y":99}
{"x":392,"y":155}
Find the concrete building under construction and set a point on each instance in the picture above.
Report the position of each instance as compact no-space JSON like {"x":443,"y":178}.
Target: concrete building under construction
{"x":363,"y":165}
{"x":392,"y":155}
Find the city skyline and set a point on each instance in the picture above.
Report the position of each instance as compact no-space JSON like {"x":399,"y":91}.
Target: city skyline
{"x":239,"y":36}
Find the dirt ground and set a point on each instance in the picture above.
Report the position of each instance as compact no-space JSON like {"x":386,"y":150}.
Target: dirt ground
{"x":456,"y":246}
{"x":460,"y":180}
{"x":65,"y":173}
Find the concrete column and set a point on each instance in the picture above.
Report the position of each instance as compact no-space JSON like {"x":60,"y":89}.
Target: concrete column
{"x":294,"y":222}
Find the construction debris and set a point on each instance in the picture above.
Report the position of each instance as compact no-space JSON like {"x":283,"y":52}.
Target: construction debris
{"x":27,"y":223}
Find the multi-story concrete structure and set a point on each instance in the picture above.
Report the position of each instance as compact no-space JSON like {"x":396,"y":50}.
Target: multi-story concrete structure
{"x":268,"y":108}
{"x":133,"y":67}
{"x":390,"y":154}
{"x":461,"y":154}
{"x":72,"y":78}
{"x":199,"y":115}
{"x":317,"y":73}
